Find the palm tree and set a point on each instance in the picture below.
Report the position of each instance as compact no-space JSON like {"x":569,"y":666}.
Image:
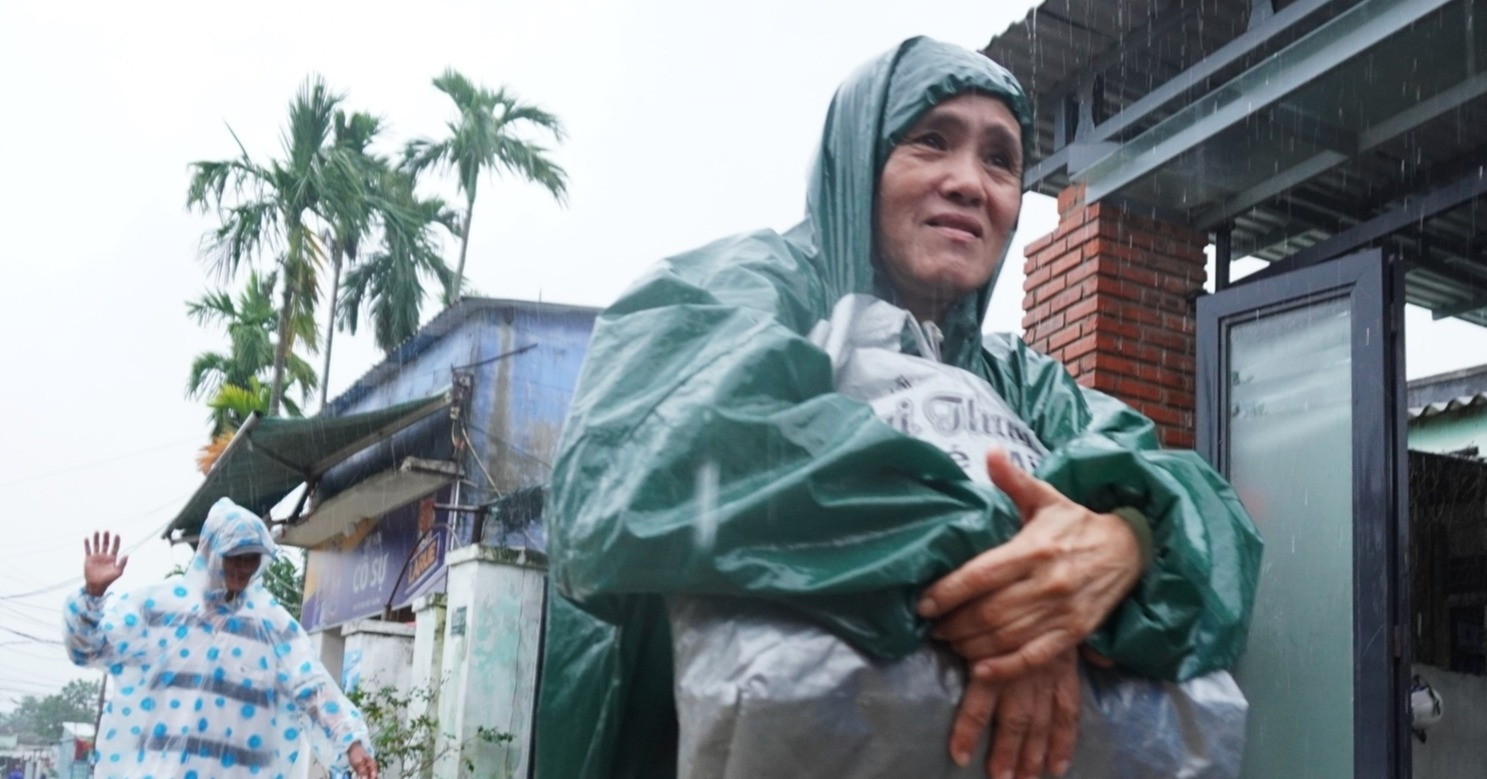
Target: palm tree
{"x":486,"y":137}
{"x":351,"y":217}
{"x":250,"y":321}
{"x":390,"y":283}
{"x":232,"y":380}
{"x":275,"y":207}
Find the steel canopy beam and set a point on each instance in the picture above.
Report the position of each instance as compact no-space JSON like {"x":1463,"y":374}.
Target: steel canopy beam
{"x":1464,"y":190}
{"x":1299,"y":64}
{"x":1399,"y":124}
{"x":1261,"y":32}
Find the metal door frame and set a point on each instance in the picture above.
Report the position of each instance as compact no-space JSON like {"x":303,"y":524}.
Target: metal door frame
{"x":1374,"y":284}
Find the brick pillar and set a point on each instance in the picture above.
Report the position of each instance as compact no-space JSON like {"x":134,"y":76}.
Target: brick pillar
{"x":1108,"y":294}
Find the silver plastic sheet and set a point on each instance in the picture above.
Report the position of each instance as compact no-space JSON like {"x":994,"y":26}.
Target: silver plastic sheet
{"x":760,"y":692}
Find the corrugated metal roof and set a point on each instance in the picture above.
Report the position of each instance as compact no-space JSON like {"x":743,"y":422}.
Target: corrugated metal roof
{"x":1448,"y":392}
{"x":270,"y":456}
{"x":1478,"y":400}
{"x":438,"y":327}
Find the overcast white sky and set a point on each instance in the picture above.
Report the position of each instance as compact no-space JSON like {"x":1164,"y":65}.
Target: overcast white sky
{"x":687,"y":121}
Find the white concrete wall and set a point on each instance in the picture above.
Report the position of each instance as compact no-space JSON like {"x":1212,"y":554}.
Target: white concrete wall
{"x":1456,"y":747}
{"x":378,"y":654}
{"x":365,"y":653}
{"x":428,"y":656}
{"x":491,"y":648}
{"x":330,"y":647}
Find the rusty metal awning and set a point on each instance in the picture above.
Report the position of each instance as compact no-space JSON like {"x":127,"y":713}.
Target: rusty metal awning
{"x":270,"y":456}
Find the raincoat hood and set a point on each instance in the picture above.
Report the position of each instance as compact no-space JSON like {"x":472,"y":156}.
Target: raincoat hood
{"x":870,"y":113}
{"x":229,"y":530}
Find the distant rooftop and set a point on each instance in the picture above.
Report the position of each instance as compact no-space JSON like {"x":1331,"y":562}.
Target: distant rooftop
{"x":1444,"y":392}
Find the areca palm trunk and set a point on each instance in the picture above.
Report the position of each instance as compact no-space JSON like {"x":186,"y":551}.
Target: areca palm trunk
{"x":330,"y":324}
{"x":281,"y":349}
{"x":459,"y":272}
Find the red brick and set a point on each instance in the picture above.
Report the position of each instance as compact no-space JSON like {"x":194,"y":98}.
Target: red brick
{"x":1109,"y":362}
{"x":1105,"y":285}
{"x":1079,"y":348}
{"x":1175,"y":438}
{"x":1036,"y":277}
{"x":1181,"y":324}
{"x":1066,"y":263}
{"x":1165,"y":378}
{"x":1166,"y":339}
{"x":1131,"y":271}
{"x":1080,"y":272}
{"x":1038,"y":245}
{"x":1078,"y":233}
{"x":1063,"y":337}
{"x":1051,"y":254}
{"x":1066,"y":298}
{"x":1070,"y":198}
{"x":1129,"y":311}
{"x":1083,"y":308}
{"x":1050,"y":325}
{"x":1182,"y":363}
{"x":1048,"y":289}
{"x":1164,"y":415}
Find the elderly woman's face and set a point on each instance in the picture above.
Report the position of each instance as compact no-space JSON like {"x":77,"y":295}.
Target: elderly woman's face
{"x":947,"y":201}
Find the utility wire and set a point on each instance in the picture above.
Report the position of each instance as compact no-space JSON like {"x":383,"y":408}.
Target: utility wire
{"x":16,"y":617}
{"x":75,"y":541}
{"x":37,"y":639}
{"x":75,"y":579}
{"x":96,"y":463}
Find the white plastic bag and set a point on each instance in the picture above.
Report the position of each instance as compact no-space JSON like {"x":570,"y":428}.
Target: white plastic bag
{"x":762,"y":692}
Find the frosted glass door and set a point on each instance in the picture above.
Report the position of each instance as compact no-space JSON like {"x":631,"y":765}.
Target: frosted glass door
{"x":1297,"y":396}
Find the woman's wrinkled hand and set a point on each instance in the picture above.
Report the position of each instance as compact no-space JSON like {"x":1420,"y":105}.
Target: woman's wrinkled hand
{"x":1016,"y":608}
{"x":1033,"y":719}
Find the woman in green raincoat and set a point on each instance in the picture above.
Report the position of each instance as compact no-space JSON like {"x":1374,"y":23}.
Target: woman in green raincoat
{"x":708,"y":452}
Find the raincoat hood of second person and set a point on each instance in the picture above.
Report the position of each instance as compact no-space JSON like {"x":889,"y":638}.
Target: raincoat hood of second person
{"x":229,"y":530}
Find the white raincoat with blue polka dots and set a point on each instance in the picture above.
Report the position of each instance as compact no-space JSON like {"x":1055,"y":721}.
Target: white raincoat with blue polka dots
{"x":207,"y":687}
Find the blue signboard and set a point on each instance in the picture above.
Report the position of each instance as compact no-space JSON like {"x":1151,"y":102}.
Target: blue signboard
{"x":384,"y":562}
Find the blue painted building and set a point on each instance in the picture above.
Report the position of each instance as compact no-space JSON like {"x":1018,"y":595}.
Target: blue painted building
{"x":426,"y":563}
{"x":497,"y":375}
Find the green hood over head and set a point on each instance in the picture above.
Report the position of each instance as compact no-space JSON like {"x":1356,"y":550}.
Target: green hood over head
{"x":869,"y":115}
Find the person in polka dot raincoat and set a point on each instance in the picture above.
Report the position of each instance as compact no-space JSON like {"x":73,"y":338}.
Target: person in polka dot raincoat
{"x":212,"y":678}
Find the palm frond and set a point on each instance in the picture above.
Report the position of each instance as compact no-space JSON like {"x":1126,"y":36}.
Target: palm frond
{"x":207,"y":373}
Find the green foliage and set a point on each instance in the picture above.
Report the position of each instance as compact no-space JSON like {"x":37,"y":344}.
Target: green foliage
{"x":285,"y":580}
{"x":411,"y":744}
{"x":236,"y":382}
{"x":390,"y":283}
{"x":40,"y":719}
{"x":273,"y":208}
{"x":325,"y":196}
{"x":489,"y":135}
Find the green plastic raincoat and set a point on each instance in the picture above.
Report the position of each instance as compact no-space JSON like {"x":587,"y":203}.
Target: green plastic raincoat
{"x":707,"y":452}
